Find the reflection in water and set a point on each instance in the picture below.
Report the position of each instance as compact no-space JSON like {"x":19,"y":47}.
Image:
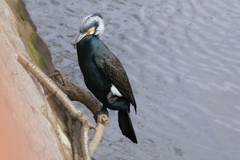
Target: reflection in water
{"x":183,"y":60}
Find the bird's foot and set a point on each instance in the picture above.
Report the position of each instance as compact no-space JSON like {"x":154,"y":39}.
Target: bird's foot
{"x":98,"y":113}
{"x":111,"y":98}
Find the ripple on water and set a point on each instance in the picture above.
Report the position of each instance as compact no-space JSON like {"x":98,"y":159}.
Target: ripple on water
{"x":182,"y":58}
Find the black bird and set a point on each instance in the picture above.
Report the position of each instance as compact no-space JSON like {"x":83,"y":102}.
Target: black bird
{"x":104,"y":74}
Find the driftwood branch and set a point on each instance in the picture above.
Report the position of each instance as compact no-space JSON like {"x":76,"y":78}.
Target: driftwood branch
{"x":84,"y":131}
{"x":102,"y":121}
{"x":74,"y":139}
{"x":76,"y":94}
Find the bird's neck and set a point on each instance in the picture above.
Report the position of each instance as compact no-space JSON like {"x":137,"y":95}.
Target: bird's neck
{"x":88,"y":45}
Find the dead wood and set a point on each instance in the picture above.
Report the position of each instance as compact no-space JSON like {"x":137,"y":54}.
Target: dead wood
{"x":74,"y":93}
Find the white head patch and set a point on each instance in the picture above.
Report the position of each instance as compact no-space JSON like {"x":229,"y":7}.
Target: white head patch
{"x":91,"y":19}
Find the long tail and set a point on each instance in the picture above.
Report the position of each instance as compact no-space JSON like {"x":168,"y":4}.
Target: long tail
{"x":125,"y":125}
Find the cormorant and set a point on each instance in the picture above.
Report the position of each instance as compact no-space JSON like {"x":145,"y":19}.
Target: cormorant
{"x":104,"y":74}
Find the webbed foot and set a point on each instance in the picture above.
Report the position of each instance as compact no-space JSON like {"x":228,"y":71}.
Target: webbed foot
{"x":98,"y":113}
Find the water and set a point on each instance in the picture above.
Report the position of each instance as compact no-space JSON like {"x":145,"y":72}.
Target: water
{"x":183,"y":61}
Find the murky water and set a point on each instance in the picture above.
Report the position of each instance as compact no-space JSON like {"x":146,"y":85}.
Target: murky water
{"x":183,"y":61}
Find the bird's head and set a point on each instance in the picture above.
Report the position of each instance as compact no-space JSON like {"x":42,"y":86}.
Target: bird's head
{"x":91,"y":25}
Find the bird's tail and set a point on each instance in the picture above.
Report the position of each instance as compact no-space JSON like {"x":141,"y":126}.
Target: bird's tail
{"x":125,"y":125}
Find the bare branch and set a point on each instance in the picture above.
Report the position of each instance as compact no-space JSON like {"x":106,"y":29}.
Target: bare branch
{"x":102,"y":122}
{"x":74,"y":138}
{"x":51,"y":86}
{"x":74,"y":93}
{"x":84,"y":131}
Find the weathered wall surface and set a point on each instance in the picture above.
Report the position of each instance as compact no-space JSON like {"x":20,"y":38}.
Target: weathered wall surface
{"x":29,"y":127}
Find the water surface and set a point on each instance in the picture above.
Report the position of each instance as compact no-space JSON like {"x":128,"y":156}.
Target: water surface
{"x":183,"y":61}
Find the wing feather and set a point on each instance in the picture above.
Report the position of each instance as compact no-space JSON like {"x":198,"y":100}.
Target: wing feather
{"x":114,"y":72}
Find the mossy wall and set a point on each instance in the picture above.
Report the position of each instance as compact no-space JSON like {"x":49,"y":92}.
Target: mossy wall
{"x":38,"y":120}
{"x":37,"y":49}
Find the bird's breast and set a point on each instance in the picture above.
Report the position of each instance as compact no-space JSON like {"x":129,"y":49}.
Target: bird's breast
{"x":94,"y":79}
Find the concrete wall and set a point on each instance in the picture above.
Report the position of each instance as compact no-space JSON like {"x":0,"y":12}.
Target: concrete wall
{"x":30,"y":128}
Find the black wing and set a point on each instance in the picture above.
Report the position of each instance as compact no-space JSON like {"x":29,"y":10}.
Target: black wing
{"x":113,"y":70}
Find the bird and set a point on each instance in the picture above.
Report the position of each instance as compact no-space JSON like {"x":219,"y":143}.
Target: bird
{"x":104,"y":74}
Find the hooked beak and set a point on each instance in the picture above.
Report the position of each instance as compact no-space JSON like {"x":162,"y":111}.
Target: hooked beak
{"x":80,"y":36}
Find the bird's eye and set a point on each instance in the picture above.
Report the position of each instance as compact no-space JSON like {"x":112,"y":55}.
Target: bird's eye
{"x":91,"y":31}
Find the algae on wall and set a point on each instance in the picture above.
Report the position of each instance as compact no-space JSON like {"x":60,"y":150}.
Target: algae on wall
{"x":30,"y":123}
{"x":37,"y":49}
{"x":33,"y":45}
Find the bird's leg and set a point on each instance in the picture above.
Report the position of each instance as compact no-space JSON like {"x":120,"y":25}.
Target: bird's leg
{"x":98,"y":113}
{"x":111,"y":98}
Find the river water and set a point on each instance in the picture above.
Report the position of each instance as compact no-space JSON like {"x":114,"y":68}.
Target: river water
{"x":183,"y":61}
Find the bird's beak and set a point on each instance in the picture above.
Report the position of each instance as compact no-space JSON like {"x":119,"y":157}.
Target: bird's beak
{"x":80,"y":36}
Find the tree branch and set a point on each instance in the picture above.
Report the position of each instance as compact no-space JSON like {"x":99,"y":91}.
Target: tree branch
{"x":74,"y":93}
{"x":74,"y":138}
{"x":102,"y":121}
{"x":84,"y":131}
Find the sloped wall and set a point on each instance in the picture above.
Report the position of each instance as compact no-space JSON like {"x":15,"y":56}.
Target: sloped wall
{"x":30,"y":128}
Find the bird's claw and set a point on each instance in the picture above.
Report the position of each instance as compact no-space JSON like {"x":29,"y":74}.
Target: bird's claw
{"x":98,"y":113}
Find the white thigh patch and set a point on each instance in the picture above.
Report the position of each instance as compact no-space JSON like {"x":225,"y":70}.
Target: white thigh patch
{"x":115,"y":91}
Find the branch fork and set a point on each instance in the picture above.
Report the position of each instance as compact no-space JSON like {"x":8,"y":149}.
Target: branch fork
{"x":63,"y":87}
